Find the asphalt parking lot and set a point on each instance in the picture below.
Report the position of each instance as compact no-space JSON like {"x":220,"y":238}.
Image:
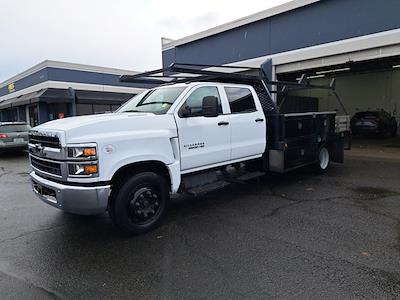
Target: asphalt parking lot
{"x":293,"y":236}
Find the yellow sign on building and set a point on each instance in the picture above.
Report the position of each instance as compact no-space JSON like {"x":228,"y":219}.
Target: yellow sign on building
{"x":11,"y":87}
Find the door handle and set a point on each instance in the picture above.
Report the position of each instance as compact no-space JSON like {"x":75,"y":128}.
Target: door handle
{"x":223,"y":123}
{"x":259,"y":120}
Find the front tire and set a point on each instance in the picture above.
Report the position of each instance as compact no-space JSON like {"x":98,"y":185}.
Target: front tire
{"x":137,"y":205}
{"x":323,"y":160}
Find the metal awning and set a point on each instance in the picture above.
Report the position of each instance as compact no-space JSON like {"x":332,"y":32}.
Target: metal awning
{"x":22,"y":100}
{"x":50,"y":95}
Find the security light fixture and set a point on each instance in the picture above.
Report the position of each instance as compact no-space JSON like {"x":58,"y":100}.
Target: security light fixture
{"x":333,"y":71}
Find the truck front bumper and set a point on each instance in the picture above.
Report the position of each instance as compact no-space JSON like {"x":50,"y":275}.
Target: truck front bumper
{"x":80,"y":200}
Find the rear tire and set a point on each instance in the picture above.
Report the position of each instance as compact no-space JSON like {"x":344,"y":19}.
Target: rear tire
{"x":138,"y":204}
{"x":323,"y":160}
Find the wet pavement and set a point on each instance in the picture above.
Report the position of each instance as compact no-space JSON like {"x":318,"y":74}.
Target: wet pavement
{"x":388,"y":148}
{"x":293,"y":236}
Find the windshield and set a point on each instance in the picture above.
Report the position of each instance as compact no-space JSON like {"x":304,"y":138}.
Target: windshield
{"x":157,"y":101}
{"x":14,"y":128}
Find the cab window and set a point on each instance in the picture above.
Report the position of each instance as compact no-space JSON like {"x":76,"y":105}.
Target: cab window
{"x":240,"y":100}
{"x":195,"y":101}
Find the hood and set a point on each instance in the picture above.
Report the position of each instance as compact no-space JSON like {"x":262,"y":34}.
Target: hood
{"x":87,"y":128}
{"x":76,"y":122}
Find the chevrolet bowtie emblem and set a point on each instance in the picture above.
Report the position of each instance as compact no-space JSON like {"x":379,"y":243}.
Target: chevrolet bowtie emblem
{"x":39,"y":148}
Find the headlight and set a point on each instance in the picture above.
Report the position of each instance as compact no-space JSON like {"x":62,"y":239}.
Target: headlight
{"x":83,"y":170}
{"x":82,"y":152}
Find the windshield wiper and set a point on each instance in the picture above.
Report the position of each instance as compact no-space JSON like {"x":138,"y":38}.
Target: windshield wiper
{"x":131,"y":110}
{"x":149,"y":103}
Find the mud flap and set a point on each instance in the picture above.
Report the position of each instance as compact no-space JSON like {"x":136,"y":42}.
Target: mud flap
{"x":337,"y":149}
{"x":277,"y":161}
{"x":347,"y":140}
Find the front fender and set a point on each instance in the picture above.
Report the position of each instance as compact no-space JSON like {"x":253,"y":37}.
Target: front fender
{"x":173,"y":169}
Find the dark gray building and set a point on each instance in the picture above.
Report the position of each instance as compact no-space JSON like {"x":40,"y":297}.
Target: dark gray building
{"x":355,"y":41}
{"x":52,"y":90}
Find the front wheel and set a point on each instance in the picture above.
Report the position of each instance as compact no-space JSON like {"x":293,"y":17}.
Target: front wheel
{"x":138,"y":204}
{"x":323,"y":159}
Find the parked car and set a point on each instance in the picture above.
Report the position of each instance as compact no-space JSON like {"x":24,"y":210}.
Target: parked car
{"x":378,"y":123}
{"x":14,"y":135}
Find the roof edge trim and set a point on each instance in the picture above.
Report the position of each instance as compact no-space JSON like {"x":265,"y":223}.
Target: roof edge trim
{"x":65,"y":65}
{"x":239,"y":22}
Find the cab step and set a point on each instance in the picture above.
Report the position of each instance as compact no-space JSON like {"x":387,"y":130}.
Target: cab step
{"x":242,"y":179}
{"x":207,"y":188}
{"x":251,"y":175}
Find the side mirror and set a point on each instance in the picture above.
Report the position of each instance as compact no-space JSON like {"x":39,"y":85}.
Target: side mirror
{"x":210,"y":106}
{"x":185,"y":112}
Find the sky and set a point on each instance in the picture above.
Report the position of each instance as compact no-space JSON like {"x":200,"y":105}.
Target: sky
{"x":119,"y":33}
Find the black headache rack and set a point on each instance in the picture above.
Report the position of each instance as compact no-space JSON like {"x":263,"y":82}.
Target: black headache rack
{"x":257,"y":77}
{"x":294,"y":139}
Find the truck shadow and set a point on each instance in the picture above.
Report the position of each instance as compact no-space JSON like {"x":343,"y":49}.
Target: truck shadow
{"x":11,"y":154}
{"x":183,"y":208}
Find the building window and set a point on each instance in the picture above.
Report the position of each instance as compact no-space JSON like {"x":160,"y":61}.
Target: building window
{"x":90,"y":109}
{"x":115,"y":107}
{"x":57,"y":111}
{"x":101,"y":108}
{"x":9,"y":115}
{"x":84,"y":109}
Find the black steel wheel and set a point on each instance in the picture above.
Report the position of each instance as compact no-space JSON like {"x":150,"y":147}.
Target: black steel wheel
{"x":144,"y":205}
{"x":138,"y":204}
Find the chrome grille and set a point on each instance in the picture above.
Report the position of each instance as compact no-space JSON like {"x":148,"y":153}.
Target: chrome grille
{"x":46,"y":166}
{"x":45,"y":141}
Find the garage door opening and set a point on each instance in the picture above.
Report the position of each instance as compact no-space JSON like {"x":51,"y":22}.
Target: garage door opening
{"x":370,"y":92}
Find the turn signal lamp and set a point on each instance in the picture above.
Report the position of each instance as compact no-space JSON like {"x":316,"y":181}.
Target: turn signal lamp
{"x":90,"y":169}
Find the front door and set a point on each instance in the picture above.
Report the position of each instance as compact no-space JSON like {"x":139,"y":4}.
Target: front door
{"x":203,"y":141}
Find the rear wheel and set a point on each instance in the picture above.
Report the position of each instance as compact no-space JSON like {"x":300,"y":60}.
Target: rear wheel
{"x":323,"y":159}
{"x":138,"y":204}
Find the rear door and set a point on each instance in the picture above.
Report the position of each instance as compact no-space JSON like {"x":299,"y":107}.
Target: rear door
{"x":247,"y":120}
{"x":203,"y":141}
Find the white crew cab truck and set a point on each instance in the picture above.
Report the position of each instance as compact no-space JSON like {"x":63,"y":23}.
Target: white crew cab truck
{"x":191,"y":137}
